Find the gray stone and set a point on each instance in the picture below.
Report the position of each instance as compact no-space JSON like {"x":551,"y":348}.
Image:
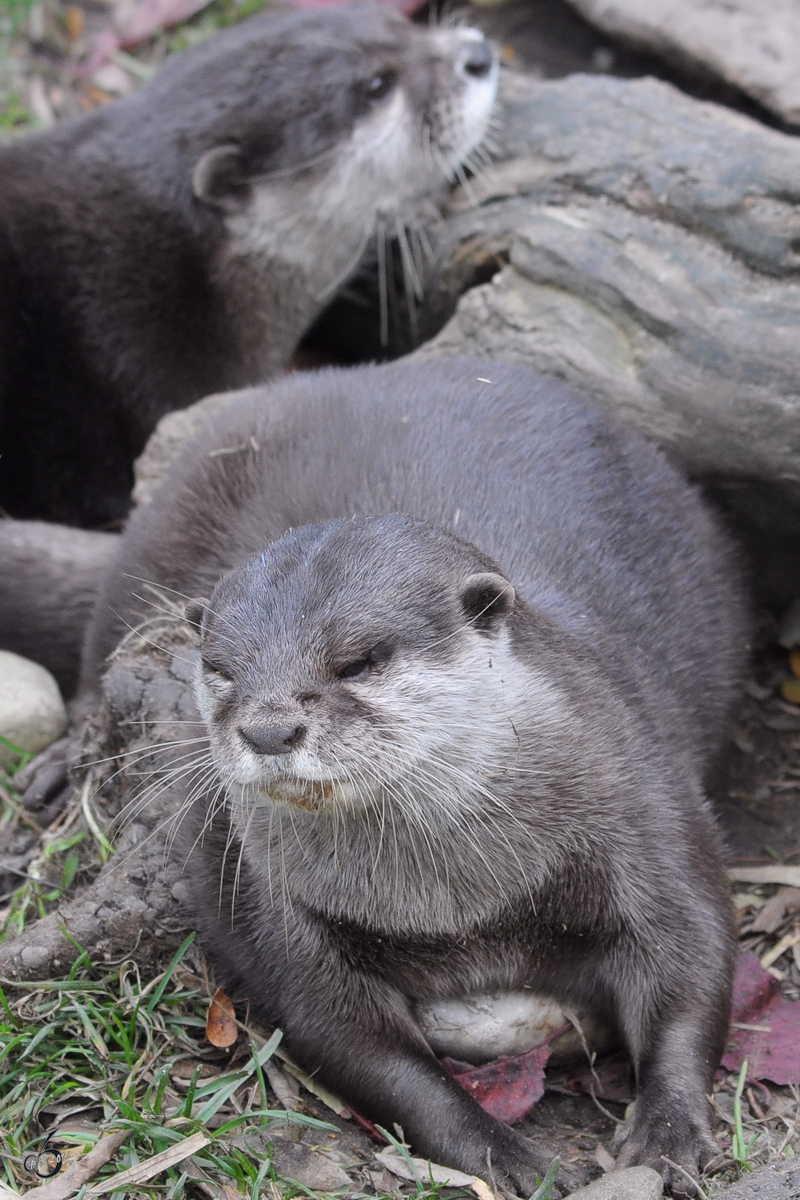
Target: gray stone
{"x":750,"y":43}
{"x":32,"y":713}
{"x":633,"y":1183}
{"x":780,"y":1181}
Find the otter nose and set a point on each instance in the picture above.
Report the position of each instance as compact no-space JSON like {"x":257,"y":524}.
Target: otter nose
{"x":478,"y":59}
{"x":267,"y":739}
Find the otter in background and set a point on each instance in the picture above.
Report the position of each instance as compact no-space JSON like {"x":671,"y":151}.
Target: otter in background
{"x":179,"y":242}
{"x":467,"y":650}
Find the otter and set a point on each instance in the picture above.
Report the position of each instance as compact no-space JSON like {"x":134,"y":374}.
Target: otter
{"x":180,"y":241}
{"x":467,"y":647}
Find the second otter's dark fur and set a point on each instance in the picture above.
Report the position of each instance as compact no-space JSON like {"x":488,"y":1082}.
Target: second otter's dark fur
{"x":459,"y":716}
{"x":180,"y":241}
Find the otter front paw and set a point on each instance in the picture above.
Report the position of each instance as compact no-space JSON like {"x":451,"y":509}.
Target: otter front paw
{"x":679,"y":1149}
{"x":520,"y":1166}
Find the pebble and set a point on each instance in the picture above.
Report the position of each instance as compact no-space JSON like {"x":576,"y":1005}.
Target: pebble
{"x":632,"y":1183}
{"x":32,"y":713}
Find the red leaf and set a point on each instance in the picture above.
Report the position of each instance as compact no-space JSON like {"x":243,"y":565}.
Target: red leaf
{"x":774,"y":1052}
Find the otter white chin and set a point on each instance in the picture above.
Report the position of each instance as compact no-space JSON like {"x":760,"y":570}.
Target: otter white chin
{"x":467,"y":648}
{"x":181,"y":241}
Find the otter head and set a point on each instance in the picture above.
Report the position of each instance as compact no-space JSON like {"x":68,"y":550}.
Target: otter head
{"x":357,"y":664}
{"x":331,"y":122}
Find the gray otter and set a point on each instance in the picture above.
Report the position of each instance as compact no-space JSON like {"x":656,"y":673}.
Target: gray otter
{"x":180,"y":241}
{"x":458,"y":720}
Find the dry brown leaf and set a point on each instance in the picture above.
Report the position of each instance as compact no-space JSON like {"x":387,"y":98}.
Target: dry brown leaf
{"x":92,"y":97}
{"x":285,"y":1088}
{"x":74,"y":21}
{"x":790,"y":690}
{"x":794,"y":661}
{"x":221,"y":1027}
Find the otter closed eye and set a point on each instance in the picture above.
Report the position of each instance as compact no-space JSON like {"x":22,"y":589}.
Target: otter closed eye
{"x":355,"y":668}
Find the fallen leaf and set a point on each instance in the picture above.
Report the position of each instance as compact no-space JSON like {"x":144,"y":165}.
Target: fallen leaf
{"x":790,"y":690}
{"x":400,"y":1166}
{"x":74,"y":21}
{"x":507,"y":1088}
{"x":772,"y":914}
{"x":609,"y":1080}
{"x":285,"y":1088}
{"x":604,"y":1159}
{"x":767,"y":1027}
{"x":221,"y":1027}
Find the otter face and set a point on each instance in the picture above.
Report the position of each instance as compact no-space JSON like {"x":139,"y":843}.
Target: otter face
{"x":351,"y":665}
{"x":369,"y":118}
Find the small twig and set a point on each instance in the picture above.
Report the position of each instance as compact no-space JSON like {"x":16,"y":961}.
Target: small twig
{"x":20,"y":811}
{"x":603,"y":1109}
{"x":678,"y":1167}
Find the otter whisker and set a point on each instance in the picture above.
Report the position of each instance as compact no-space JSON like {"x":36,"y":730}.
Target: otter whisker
{"x":163,"y":778}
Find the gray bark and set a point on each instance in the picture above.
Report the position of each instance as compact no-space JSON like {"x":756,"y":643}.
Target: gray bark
{"x":652,"y":245}
{"x":754,"y":44}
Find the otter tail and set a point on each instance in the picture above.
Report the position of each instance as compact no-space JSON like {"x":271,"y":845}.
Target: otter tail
{"x":49,"y":578}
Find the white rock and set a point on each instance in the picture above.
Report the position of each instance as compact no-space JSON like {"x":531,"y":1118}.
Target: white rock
{"x":32,"y":713}
{"x":633,"y":1183}
{"x":481,"y":1028}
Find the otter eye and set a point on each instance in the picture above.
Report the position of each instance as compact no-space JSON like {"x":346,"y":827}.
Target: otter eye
{"x":212,"y":669}
{"x":380,"y":85}
{"x":354,"y":668}
{"x":374,"y":660}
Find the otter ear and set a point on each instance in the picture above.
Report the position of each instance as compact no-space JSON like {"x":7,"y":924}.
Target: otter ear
{"x":220,"y":179}
{"x":194,"y":611}
{"x":486,"y":599}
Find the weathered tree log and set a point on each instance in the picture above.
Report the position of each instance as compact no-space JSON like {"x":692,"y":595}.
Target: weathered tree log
{"x":652,"y":245}
{"x":748,"y":43}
